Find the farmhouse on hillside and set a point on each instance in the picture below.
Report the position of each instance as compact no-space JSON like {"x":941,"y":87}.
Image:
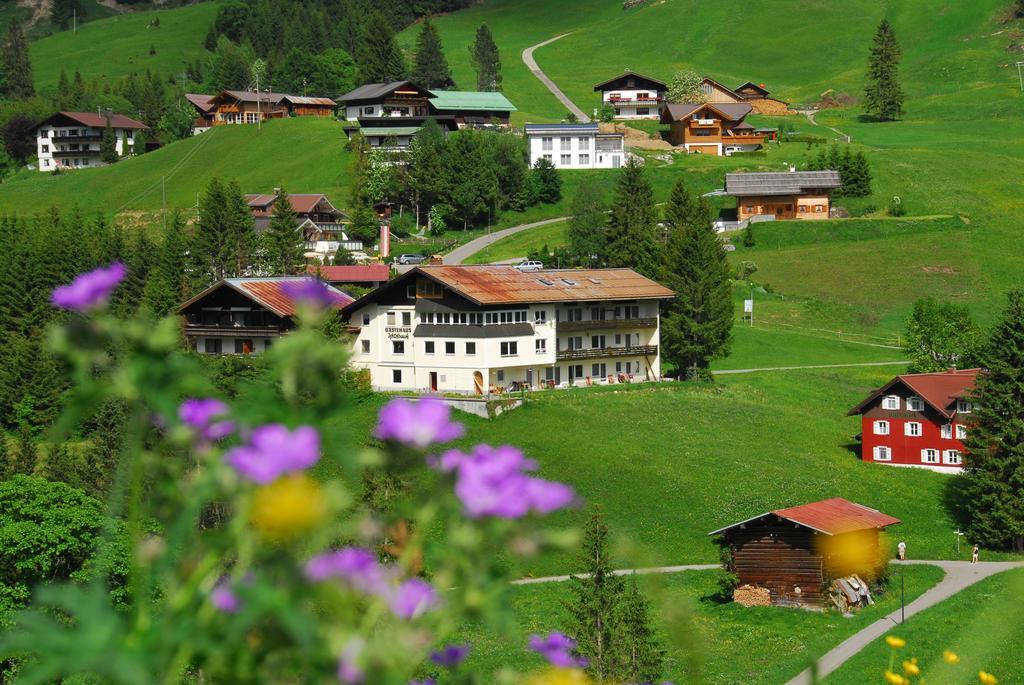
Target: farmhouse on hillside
{"x":783,"y":194}
{"x":711,"y":128}
{"x":751,"y":91}
{"x":250,"y":107}
{"x":243,"y":315}
{"x":321,"y":223}
{"x":204,"y":107}
{"x":482,"y":329}
{"x":918,"y":419}
{"x":73,"y":140}
{"x":575,"y":146}
{"x":796,"y":553}
{"x":633,"y":95}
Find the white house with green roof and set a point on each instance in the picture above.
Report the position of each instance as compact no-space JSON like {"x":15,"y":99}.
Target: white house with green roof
{"x":472,"y":108}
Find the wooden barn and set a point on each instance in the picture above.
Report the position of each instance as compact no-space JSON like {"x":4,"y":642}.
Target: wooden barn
{"x":795,"y":553}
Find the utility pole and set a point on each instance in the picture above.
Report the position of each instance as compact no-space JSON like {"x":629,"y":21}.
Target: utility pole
{"x":74,"y":20}
{"x":163,"y":191}
{"x":259,"y":119}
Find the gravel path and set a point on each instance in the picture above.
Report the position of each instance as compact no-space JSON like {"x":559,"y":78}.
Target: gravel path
{"x":548,"y":83}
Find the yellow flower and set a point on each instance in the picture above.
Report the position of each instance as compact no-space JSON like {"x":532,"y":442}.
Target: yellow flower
{"x":911,"y":667}
{"x":895,"y":642}
{"x":987,"y":678}
{"x":895,"y":679}
{"x":288,"y":507}
{"x":559,"y":676}
{"x":950,"y":657}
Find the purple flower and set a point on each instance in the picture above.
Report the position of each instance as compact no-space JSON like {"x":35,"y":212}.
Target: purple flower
{"x":224,"y":598}
{"x":355,"y":565}
{"x":199,"y":413}
{"x":312,"y":292}
{"x":450,"y":656}
{"x":558,"y":649}
{"x":349,"y":671}
{"x":493,"y":481}
{"x":417,"y":424}
{"x":427,"y":681}
{"x":89,"y":290}
{"x":273,"y":451}
{"x":413,"y":598}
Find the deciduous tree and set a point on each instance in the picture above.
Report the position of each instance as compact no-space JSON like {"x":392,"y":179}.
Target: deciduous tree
{"x":941,"y":336}
{"x":685,"y":87}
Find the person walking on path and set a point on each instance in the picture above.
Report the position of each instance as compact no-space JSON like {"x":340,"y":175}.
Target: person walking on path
{"x":974,"y":554}
{"x":902,"y":550}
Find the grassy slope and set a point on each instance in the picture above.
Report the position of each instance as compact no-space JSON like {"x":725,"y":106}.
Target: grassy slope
{"x":118,"y":46}
{"x":730,"y":643}
{"x":982,"y":625}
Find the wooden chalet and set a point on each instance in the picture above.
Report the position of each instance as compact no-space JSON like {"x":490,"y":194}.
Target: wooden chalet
{"x":383,"y":100}
{"x":250,"y":107}
{"x":795,"y":553}
{"x":752,"y":91}
{"x":783,"y":194}
{"x":320,"y":222}
{"x":711,"y":128}
{"x":633,"y":95}
{"x":204,"y":107}
{"x":714,"y":92}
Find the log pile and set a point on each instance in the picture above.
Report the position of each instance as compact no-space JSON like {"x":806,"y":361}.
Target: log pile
{"x":751,"y":596}
{"x":771,"y":108}
{"x":849,"y":594}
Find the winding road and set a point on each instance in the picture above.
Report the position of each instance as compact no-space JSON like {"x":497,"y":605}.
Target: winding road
{"x":464,"y":252}
{"x":548,"y":83}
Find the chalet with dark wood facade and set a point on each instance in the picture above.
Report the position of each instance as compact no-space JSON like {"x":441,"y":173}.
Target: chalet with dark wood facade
{"x":784,"y":194}
{"x":751,"y":91}
{"x":320,"y":222}
{"x":633,"y":95}
{"x":203,"y":105}
{"x":919,"y":419}
{"x":243,"y":315}
{"x":250,"y":107}
{"x":795,"y":553}
{"x":711,"y":128}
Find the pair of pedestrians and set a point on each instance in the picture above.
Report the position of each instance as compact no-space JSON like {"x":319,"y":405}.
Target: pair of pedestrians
{"x":901,"y":550}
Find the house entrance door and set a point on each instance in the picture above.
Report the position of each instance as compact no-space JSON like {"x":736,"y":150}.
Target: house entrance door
{"x":529,"y":378}
{"x":433,"y":381}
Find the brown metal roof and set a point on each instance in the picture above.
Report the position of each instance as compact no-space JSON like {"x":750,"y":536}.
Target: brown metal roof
{"x":96,"y":120}
{"x":940,"y":389}
{"x":830,"y":516}
{"x":203,"y":103}
{"x":355,"y":273}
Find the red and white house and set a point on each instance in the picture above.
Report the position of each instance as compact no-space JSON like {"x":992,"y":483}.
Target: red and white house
{"x":919,"y":419}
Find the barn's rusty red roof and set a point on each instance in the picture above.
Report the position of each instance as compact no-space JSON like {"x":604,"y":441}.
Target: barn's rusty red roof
{"x":829,"y":516}
{"x":939,"y":389}
{"x":355,"y":273}
{"x":268,"y":292}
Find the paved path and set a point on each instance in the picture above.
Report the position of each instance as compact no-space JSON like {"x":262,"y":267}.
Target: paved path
{"x":555,"y":90}
{"x":464,"y":252}
{"x":622,"y":572}
{"x":959,"y":575}
{"x":725,"y":372}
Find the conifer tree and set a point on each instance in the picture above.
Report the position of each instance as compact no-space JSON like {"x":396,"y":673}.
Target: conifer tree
{"x":486,"y":60}
{"x":426,"y":166}
{"x":379,"y":58}
{"x":431,"y":67}
{"x":883,"y":96}
{"x":594,"y":606}
{"x":77,"y":93}
{"x":632,"y":223}
{"x":282,"y":243}
{"x":365,"y":224}
{"x":164,"y":289}
{"x":994,"y":465}
{"x":857,"y":182}
{"x":697,"y":325}
{"x":640,"y":656}
{"x":108,"y":144}
{"x":241,"y":228}
{"x":15,"y":65}
{"x":547,"y":184}
{"x":63,"y":91}
{"x":471,"y":182}
{"x":213,"y":248}
{"x":587,"y":225}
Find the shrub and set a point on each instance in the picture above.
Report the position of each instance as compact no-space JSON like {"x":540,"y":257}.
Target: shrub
{"x":896,"y":207}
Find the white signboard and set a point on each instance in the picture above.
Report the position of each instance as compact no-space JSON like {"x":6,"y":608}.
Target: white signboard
{"x":748,"y":306}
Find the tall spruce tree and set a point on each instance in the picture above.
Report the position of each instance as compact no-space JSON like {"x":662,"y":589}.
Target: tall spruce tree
{"x":472,"y":184}
{"x":858,"y":176}
{"x":282,"y":242}
{"x":486,"y":60}
{"x":594,"y":606}
{"x":165,"y":286}
{"x":426,"y":167}
{"x":994,"y":473}
{"x":697,"y":326}
{"x":379,"y":58}
{"x":633,"y":222}
{"x":15,"y":65}
{"x":431,"y":67}
{"x":241,"y":228}
{"x":640,"y":656}
{"x":587,"y":225}
{"x":108,"y":145}
{"x":883,"y":96}
{"x":213,"y":252}
{"x":547,"y":184}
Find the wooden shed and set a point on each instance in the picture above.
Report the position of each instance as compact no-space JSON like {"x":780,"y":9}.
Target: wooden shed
{"x":795,"y":553}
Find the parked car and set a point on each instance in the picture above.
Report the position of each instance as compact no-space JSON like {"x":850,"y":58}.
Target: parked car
{"x":410,"y":259}
{"x":529,"y":265}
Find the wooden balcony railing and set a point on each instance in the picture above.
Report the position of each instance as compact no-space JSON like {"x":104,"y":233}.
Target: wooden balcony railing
{"x":595,"y":352}
{"x":594,"y":324}
{"x":213,"y":330}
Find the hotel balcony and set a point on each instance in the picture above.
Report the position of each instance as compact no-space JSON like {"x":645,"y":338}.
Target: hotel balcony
{"x":228,"y":330}
{"x":599,"y":324}
{"x":600,"y":352}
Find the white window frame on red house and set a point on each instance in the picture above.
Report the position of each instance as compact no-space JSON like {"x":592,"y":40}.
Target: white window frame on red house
{"x":890,"y":399}
{"x":928,"y":452}
{"x":881,"y":428}
{"x":946,"y":431}
{"x":963,"y":407}
{"x":961,"y":432}
{"x":952,"y":457}
{"x":909,"y":428}
{"x":882,"y":453}
{"x":915,"y":404}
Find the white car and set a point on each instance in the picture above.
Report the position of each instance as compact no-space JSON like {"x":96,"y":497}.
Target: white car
{"x":529,"y":265}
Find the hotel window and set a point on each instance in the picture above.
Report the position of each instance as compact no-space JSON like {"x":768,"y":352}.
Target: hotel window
{"x":576,"y":343}
{"x":396,"y":375}
{"x":881,"y":427}
{"x":566,"y":143}
{"x":471,"y":348}
{"x":546,"y":144}
{"x":618,"y":338}
{"x":946,"y":431}
{"x":574,"y":314}
{"x":509,"y":349}
{"x":366,"y":346}
{"x":366,"y":319}
{"x":597,"y":342}
{"x":930,"y":456}
{"x":391,"y":318}
{"x":912,"y":428}
{"x":565,"y":160}
{"x":643,"y":111}
{"x":540,"y":316}
{"x":243,"y":346}
{"x":500,"y":375}
{"x":952,"y":457}
{"x":398,"y":346}
{"x":963,"y":407}
{"x":891,"y":402}
{"x":915,"y":404}
{"x":211,"y":346}
{"x":882,"y":453}
{"x":584,"y":160}
{"x":547,"y":157}
{"x":406,"y":318}
{"x":428,"y":347}
{"x":598,"y":370}
{"x":583,"y":142}
{"x":596,"y":314}
{"x":541,"y":345}
{"x":449,"y":347}
{"x":961,"y":432}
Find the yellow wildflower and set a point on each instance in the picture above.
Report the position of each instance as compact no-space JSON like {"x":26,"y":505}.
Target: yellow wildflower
{"x":911,"y":667}
{"x":559,"y":676}
{"x":288,"y":507}
{"x":987,"y":678}
{"x":950,"y":657}
{"x":895,"y":642}
{"x":895,"y":679}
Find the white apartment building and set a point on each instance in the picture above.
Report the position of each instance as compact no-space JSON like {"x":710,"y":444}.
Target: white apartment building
{"x":633,"y":95}
{"x":73,"y":140}
{"x":482,"y":329}
{"x":575,"y":146}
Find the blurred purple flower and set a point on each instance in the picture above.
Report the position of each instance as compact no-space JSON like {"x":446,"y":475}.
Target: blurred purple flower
{"x":493,"y":481}
{"x":413,"y":598}
{"x":273,"y":451}
{"x":349,"y":671}
{"x":355,"y":565}
{"x":450,"y":656}
{"x":427,"y":681}
{"x":89,"y":290}
{"x":312,"y":292}
{"x":417,"y":424}
{"x":224,"y":598}
{"x":199,"y":413}
{"x":558,"y":649}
